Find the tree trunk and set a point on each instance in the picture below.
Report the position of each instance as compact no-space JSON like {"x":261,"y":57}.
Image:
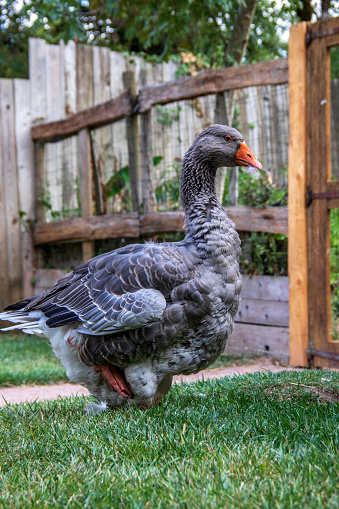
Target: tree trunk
{"x":234,"y":53}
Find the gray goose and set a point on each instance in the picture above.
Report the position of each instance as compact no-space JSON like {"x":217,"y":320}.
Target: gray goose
{"x":126,"y":321}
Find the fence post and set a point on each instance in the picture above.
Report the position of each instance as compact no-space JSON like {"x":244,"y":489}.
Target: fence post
{"x":39,"y":158}
{"x":86,"y":179}
{"x":149,"y":203}
{"x":297,"y":219}
{"x":133,"y":142}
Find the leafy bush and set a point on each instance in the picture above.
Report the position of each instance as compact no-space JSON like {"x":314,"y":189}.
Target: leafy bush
{"x":168,"y":192}
{"x":334,"y":272}
{"x":262,"y":253}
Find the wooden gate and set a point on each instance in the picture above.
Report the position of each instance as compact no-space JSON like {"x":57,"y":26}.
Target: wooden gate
{"x":313,"y":192}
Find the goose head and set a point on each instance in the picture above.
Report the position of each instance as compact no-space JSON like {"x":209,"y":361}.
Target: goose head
{"x":222,"y":145}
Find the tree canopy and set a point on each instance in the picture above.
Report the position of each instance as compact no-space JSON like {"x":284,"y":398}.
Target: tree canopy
{"x":157,"y":29}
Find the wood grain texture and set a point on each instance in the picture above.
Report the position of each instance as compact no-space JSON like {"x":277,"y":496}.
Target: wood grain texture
{"x":10,"y":191}
{"x":263,"y":312}
{"x":266,"y":288}
{"x":133,"y":142}
{"x":26,"y":180}
{"x":86,"y":184}
{"x":149,"y":203}
{"x":88,"y":228}
{"x":92,"y":117}
{"x":45,"y":278}
{"x":250,"y":339}
{"x":297,"y":226}
{"x":318,"y":94}
{"x":252,"y":219}
{"x":272,"y":72}
{"x":156,"y":222}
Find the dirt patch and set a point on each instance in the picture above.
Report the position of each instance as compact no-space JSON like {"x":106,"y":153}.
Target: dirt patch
{"x":293,"y":391}
{"x":30,"y":393}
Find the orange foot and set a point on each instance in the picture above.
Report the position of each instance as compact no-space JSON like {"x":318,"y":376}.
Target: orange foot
{"x":116,"y":380}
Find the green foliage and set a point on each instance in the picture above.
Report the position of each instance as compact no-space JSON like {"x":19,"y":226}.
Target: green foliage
{"x":28,"y":359}
{"x":45,"y":199}
{"x":157,"y":29}
{"x":254,"y":441}
{"x":334,"y":272}
{"x":168,"y":192}
{"x":262,"y":253}
{"x":334,"y":62}
{"x":168,"y":115}
{"x":117,"y":182}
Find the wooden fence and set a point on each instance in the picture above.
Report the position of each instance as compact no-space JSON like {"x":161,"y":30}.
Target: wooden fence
{"x":65,"y":100}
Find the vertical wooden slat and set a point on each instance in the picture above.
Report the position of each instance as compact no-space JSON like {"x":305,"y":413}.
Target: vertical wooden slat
{"x":10,"y":191}
{"x":54,"y":107}
{"x":318,"y":214}
{"x":297,"y":220}
{"x":133,"y":143}
{"x":84,"y":62}
{"x":101,"y":140}
{"x":86,"y":179}
{"x":37,"y":77}
{"x":4,"y":283}
{"x":68,"y":107}
{"x":148,"y":193}
{"x":26,"y":180}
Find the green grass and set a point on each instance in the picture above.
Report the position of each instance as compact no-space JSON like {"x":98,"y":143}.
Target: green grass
{"x":253,"y":441}
{"x":28,"y":359}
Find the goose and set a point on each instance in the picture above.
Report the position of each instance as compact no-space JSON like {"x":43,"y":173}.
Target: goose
{"x":124,"y":322}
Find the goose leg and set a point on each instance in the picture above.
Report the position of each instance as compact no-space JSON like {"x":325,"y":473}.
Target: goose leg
{"x":116,"y":380}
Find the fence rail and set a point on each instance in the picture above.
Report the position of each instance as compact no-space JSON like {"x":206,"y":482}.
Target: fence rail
{"x":273,"y":72}
{"x":133,"y":225}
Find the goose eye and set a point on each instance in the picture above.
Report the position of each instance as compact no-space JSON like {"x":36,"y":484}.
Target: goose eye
{"x":228,"y":138}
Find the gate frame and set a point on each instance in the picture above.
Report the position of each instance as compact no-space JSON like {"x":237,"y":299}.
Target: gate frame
{"x":308,"y":209}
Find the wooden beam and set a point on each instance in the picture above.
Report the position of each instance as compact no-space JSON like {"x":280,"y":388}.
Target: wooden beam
{"x":297,"y":225}
{"x":96,"y":116}
{"x":269,"y":219}
{"x":88,"y":228}
{"x":272,"y":72}
{"x":252,"y":219}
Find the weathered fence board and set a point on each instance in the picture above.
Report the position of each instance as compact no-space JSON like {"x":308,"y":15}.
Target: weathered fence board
{"x":95,"y":116}
{"x":273,"y":72}
{"x":88,"y":228}
{"x":259,"y":339}
{"x":10,"y":190}
{"x":263,"y":312}
{"x":26,"y":180}
{"x":265,"y":288}
{"x":157,"y":222}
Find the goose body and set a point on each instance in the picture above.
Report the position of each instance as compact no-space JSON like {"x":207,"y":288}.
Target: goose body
{"x":126,"y":321}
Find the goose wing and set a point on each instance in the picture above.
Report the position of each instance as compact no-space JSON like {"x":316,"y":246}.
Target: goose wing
{"x":120,"y":290}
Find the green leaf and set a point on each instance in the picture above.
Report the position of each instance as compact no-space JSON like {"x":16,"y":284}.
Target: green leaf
{"x":117,"y":182}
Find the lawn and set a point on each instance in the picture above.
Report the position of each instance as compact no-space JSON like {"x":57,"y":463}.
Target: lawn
{"x":253,"y":441}
{"x":26,"y":359}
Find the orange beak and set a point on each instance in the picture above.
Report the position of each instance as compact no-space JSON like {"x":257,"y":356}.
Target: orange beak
{"x":245,"y":157}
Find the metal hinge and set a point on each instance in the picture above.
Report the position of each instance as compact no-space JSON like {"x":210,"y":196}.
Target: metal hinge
{"x":310,"y":196}
{"x":312,"y":352}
